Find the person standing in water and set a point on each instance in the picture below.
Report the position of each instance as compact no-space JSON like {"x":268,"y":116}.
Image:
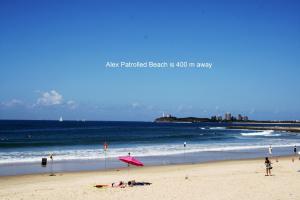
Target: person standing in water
{"x":268,"y":167}
{"x":270,"y":150}
{"x":129,"y":156}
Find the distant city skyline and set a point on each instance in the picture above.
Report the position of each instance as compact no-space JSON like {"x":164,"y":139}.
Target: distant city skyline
{"x":53,"y":57}
{"x":226,"y":117}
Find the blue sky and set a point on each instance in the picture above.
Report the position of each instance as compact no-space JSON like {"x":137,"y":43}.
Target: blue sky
{"x":53,"y":56}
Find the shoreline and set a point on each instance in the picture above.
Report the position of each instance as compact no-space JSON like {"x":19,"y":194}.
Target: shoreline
{"x":112,"y":169}
{"x":113,"y":163}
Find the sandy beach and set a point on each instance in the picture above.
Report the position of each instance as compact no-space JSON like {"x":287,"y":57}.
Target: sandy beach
{"x":241,"y":179}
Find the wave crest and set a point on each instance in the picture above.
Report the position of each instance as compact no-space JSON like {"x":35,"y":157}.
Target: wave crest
{"x":261,"y":133}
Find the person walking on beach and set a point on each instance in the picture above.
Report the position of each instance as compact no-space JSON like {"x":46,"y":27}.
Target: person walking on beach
{"x":295,"y":153}
{"x":51,"y":157}
{"x":129,"y":156}
{"x":268,"y":167}
{"x":270,"y":150}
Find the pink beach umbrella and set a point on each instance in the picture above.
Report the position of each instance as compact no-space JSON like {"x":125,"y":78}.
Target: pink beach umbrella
{"x":131,"y":160}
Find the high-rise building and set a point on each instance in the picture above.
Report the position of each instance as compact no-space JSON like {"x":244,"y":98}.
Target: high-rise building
{"x":245,"y":118}
{"x":213,"y":118}
{"x":240,"y":117}
{"x":227,"y":116}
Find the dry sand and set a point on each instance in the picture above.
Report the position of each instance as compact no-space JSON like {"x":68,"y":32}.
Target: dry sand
{"x":241,"y":180}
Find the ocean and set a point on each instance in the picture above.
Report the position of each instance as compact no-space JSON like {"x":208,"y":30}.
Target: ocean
{"x":78,"y":145}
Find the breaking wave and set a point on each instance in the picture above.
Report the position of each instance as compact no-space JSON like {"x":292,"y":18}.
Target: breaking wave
{"x":261,"y":133}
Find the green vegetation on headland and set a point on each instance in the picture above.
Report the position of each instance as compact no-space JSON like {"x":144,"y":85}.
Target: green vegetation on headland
{"x":193,"y":119}
{"x":182,"y":120}
{"x":227,"y":118}
{"x":244,"y":120}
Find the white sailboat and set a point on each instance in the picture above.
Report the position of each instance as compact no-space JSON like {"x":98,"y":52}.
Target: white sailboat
{"x":60,"y":119}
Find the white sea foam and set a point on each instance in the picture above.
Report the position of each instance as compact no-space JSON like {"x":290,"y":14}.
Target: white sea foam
{"x":140,"y":151}
{"x":261,"y":133}
{"x":217,"y":128}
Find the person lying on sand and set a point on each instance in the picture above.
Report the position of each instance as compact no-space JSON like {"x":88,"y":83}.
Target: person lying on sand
{"x":120,"y":184}
{"x":133,"y":183}
{"x":101,"y":186}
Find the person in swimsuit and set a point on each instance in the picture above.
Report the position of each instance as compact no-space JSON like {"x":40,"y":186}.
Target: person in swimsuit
{"x":120,"y":184}
{"x":268,"y":166}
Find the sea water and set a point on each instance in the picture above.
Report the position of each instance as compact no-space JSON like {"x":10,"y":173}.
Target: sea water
{"x":78,"y":145}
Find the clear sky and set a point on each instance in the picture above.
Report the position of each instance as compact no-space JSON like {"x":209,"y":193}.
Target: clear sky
{"x":53,"y":56}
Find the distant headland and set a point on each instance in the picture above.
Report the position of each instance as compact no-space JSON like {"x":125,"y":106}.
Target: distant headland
{"x":228,"y":117}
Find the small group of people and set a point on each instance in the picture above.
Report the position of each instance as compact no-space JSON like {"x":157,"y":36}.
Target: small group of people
{"x":122,"y":184}
{"x":268,"y":163}
{"x":271,"y":150}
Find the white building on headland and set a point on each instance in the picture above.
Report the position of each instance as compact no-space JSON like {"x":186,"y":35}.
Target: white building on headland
{"x":166,"y":115}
